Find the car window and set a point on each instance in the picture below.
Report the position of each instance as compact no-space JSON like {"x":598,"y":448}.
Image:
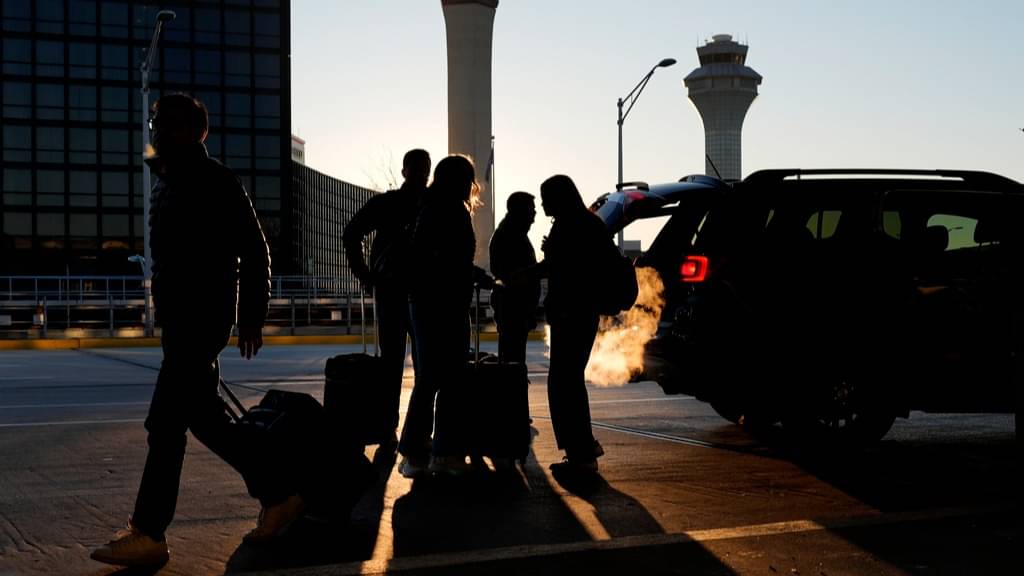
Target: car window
{"x":823,"y":223}
{"x":960,"y":229}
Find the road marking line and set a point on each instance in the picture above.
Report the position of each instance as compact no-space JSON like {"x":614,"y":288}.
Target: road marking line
{"x":81,"y":405}
{"x":429,"y":561}
{"x":72,"y":423}
{"x":17,"y":378}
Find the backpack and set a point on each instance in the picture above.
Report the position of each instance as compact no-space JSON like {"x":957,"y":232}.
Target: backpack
{"x":617,"y":288}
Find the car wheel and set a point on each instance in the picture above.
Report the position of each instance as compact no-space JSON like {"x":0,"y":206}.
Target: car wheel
{"x":845,"y":416}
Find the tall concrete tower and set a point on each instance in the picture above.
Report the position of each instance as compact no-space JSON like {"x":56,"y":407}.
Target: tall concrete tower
{"x":722,"y":89}
{"x":470,"y":24}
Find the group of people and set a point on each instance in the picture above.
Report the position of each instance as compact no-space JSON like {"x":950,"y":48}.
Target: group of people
{"x":422,"y":274}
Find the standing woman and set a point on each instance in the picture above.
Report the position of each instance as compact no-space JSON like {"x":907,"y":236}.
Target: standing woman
{"x":571,"y":256}
{"x":441,"y":290}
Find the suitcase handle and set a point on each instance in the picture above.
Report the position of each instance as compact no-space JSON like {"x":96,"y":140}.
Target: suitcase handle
{"x":234,"y":400}
{"x":362,"y":321}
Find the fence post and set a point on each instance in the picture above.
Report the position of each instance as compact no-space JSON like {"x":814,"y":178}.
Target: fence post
{"x":110,"y":306}
{"x":348,"y":313}
{"x":46,"y":316}
{"x":292,"y":300}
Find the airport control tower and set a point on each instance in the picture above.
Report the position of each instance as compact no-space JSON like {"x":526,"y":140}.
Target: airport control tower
{"x":722,"y":89}
{"x":469,"y":25}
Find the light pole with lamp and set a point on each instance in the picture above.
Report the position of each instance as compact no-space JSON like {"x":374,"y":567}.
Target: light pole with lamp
{"x":147,"y":65}
{"x":632,"y":97}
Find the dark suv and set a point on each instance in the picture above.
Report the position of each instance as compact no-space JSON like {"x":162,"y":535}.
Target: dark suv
{"x":834,"y":301}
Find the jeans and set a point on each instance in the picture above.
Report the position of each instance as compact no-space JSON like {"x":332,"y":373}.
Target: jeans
{"x":572,"y":338}
{"x":187,"y":398}
{"x":441,"y":332}
{"x":393,"y":327}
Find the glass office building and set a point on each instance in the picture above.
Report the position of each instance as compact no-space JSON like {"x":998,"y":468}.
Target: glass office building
{"x":71,"y":164}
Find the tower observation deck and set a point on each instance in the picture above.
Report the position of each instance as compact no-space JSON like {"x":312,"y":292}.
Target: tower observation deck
{"x":722,"y":90}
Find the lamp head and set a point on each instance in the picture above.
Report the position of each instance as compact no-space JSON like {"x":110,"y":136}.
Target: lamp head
{"x":165,"y":16}
{"x":666,"y":62}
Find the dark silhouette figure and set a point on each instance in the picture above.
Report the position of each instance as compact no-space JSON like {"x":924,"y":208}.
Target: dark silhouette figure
{"x":209,"y":259}
{"x":572,"y":261}
{"x":391,"y":216}
{"x":512,"y":257}
{"x":443,"y":247}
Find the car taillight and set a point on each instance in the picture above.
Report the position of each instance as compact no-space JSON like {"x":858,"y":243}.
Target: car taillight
{"x":694,"y":269}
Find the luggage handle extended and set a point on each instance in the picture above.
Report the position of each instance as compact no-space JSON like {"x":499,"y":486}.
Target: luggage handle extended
{"x":235,"y":416}
{"x":362,"y":321}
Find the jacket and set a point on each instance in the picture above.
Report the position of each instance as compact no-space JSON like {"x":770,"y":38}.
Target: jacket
{"x":391,"y":216}
{"x":210,"y":258}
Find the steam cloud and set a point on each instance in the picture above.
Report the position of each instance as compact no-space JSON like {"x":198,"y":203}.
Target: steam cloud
{"x":618,"y":352}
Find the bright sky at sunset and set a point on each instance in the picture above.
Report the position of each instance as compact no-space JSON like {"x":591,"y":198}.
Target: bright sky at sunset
{"x":870,"y":83}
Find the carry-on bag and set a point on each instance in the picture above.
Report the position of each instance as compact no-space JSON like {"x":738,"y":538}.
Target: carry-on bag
{"x":356,"y":397}
{"x":499,"y":403}
{"x":293,"y":434}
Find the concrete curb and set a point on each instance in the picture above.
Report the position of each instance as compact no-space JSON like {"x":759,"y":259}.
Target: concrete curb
{"x":84,"y":343}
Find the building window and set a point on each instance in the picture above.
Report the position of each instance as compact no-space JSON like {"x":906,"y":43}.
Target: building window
{"x":267,"y":28}
{"x":115,"y":190}
{"x":239,"y":110}
{"x":83,"y":225}
{"x":114,"y":59}
{"x":82,"y":58}
{"x":239,"y":69}
{"x":17,"y":56}
{"x":49,"y":224}
{"x":82,"y":17}
{"x":267,"y":193}
{"x":82,"y":143}
{"x":114,"y":20}
{"x":49,"y":188}
{"x":82,"y":186}
{"x":207,"y":25}
{"x":17,"y":100}
{"x":115,"y":104}
{"x":268,"y":111}
{"x":237,"y":28}
{"x":17,"y":143}
{"x":50,"y":16}
{"x":268,"y":70}
{"x":176,"y":65}
{"x":82,"y":103}
{"x":238,"y":151}
{"x":17,"y":15}
{"x":207,"y":67}
{"x":49,"y":58}
{"x":115,"y":147}
{"x":115,"y":225}
{"x":213,"y":108}
{"x":17,"y":187}
{"x":49,"y":144}
{"x":268,"y":153}
{"x":18,"y":223}
{"x":50,"y":101}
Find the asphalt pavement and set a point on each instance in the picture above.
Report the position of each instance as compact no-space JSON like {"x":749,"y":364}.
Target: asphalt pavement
{"x":681,"y":491}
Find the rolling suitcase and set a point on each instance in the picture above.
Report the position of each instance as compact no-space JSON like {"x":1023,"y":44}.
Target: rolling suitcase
{"x":292,"y":432}
{"x":355,"y":397}
{"x":499,"y":403}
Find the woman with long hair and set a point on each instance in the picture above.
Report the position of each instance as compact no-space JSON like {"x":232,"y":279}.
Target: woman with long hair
{"x":443,"y":246}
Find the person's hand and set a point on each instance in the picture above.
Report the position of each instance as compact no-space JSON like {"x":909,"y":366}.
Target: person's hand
{"x":250,"y":340}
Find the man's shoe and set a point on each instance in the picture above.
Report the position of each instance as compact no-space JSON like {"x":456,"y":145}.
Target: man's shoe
{"x":273,"y":521}
{"x":132,"y":548}
{"x":574,"y":466}
{"x":450,"y":465}
{"x":412,"y":467}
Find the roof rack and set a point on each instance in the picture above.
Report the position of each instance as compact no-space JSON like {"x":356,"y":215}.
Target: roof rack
{"x":637,"y":185}
{"x":967,"y":176}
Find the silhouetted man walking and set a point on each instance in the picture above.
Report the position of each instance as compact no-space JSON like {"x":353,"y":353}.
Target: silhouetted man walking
{"x":512,"y":258}
{"x":392,"y":216}
{"x":210,"y":259}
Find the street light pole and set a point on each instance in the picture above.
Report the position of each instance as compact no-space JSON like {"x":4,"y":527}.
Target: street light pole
{"x":144,"y":68}
{"x":632,"y":98}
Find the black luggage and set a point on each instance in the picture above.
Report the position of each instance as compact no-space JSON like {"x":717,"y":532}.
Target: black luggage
{"x":293,"y":433}
{"x":355,"y":394}
{"x":497,"y":402}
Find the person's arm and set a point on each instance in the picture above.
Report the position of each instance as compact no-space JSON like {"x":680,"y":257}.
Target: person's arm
{"x":253,"y":274}
{"x":363,"y":222}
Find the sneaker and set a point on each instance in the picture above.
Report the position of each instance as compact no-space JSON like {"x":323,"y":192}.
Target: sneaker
{"x":411,"y":467}
{"x":574,"y":466}
{"x":450,"y":465}
{"x":132,"y":548}
{"x":273,"y":521}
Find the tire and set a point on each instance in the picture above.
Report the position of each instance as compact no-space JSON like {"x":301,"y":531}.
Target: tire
{"x":845,"y":416}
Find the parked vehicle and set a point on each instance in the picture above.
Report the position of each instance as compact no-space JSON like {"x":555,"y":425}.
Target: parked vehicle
{"x":834,"y":301}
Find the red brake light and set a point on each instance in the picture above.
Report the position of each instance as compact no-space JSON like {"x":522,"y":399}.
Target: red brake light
{"x":635,"y":195}
{"x":694,"y":269}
